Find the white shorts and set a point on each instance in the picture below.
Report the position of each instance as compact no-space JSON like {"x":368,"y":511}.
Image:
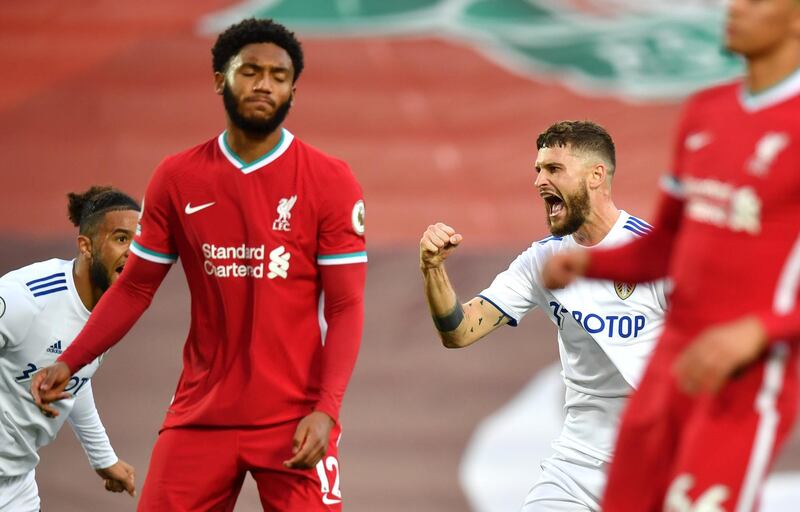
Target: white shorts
{"x":19,"y":493}
{"x":571,"y":481}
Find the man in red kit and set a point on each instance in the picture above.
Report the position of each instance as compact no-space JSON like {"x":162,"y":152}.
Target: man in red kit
{"x":270,"y":232}
{"x":720,"y":394}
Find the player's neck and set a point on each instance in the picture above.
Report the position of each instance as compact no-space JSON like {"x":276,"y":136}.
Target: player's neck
{"x":83,"y":283}
{"x":597,"y":225}
{"x":770,"y":69}
{"x":249,"y":147}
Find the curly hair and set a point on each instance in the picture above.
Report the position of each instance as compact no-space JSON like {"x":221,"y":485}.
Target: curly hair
{"x":250,"y":31}
{"x":88,"y":208}
{"x":581,"y":135}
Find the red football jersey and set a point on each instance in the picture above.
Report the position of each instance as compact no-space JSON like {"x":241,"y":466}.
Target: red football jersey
{"x":251,"y":238}
{"x":737,"y":169}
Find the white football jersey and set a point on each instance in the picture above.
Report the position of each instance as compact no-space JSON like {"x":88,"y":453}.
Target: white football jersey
{"x":40,"y":315}
{"x":606,"y":332}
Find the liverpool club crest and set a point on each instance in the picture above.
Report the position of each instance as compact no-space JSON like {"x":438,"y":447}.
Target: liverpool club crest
{"x":624,"y":290}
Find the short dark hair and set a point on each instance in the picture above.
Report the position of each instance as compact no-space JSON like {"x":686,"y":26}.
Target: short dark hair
{"x":87,"y":209}
{"x":580,"y":135}
{"x":250,"y":31}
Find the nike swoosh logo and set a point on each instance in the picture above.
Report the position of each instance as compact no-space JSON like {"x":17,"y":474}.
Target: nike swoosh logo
{"x":698,"y":141}
{"x":194,"y":209}
{"x":328,"y":501}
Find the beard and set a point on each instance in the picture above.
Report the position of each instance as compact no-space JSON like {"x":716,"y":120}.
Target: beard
{"x":254,"y":127}
{"x":577,"y":208}
{"x":98,"y":274}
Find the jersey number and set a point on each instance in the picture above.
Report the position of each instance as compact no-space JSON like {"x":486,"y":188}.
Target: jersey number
{"x":74,"y":385}
{"x":326,"y":465}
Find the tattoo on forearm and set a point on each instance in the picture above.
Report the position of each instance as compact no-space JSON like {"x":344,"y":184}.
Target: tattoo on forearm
{"x":499,"y":319}
{"x":480,"y":320}
{"x":450,"y":321}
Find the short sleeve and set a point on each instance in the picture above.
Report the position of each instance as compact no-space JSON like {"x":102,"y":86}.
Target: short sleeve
{"x":18,"y":309}
{"x":515,"y":291}
{"x":342,"y":222}
{"x":154,"y":239}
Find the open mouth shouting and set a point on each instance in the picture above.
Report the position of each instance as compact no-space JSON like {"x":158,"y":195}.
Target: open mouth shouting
{"x":555,"y":205}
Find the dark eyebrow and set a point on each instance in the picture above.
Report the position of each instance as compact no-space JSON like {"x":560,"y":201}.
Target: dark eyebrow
{"x":259,"y":67}
{"x":122,"y":230}
{"x":549,"y":165}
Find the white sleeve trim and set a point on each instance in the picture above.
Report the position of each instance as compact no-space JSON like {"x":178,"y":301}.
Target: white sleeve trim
{"x":342,"y":259}
{"x":673,"y":186}
{"x":155,"y":257}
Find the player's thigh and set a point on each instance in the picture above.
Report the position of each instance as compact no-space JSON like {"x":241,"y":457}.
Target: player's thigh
{"x":732,"y":438}
{"x":312,"y":490}
{"x":19,"y":493}
{"x":647,"y":439}
{"x":193,"y":470}
{"x":567,"y":484}
{"x":299,"y":490}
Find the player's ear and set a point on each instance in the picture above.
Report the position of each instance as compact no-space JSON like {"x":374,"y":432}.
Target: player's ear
{"x":84,"y":246}
{"x":291,"y":98}
{"x":219,"y":82}
{"x":597,"y":175}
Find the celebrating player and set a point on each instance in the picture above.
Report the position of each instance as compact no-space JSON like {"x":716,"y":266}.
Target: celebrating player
{"x":606,"y":329}
{"x":270,"y":232}
{"x":42,"y":307}
{"x":720,"y":395}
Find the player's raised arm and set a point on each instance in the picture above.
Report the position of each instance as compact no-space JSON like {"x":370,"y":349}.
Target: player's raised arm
{"x":458,"y":325}
{"x":111,"y":319}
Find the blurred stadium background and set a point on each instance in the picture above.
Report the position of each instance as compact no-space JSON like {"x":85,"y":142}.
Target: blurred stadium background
{"x":436,"y":105}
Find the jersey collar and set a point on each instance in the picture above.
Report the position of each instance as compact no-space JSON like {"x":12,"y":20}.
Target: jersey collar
{"x":611,"y":238}
{"x":614,"y":234}
{"x":782,"y":91}
{"x":267,"y":158}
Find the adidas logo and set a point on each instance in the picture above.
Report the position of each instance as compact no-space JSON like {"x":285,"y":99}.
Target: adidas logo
{"x":55,"y":348}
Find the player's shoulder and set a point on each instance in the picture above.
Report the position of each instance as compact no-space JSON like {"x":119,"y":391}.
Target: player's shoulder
{"x":38,"y":282}
{"x":635,"y":226}
{"x":719,"y":93}
{"x":549,"y":244}
{"x":544,"y":248}
{"x":321,"y":162}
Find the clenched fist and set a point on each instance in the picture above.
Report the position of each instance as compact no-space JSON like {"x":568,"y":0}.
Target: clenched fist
{"x":436,"y":244}
{"x":119,"y":477}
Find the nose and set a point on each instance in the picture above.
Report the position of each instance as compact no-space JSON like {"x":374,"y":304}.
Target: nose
{"x":541,"y":180}
{"x":263,"y":83}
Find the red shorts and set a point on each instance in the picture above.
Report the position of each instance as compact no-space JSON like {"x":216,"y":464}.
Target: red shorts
{"x":202,"y":469}
{"x":679,"y":453}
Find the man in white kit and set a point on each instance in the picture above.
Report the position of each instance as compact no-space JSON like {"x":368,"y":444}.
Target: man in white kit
{"x":42,"y":307}
{"x":606,"y":330}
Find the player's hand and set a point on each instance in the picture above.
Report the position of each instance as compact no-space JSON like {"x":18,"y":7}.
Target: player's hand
{"x":119,"y":477}
{"x":310,"y":441}
{"x":717,"y":353}
{"x":436,"y":244}
{"x":563,"y":268}
{"x":47,"y":386}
